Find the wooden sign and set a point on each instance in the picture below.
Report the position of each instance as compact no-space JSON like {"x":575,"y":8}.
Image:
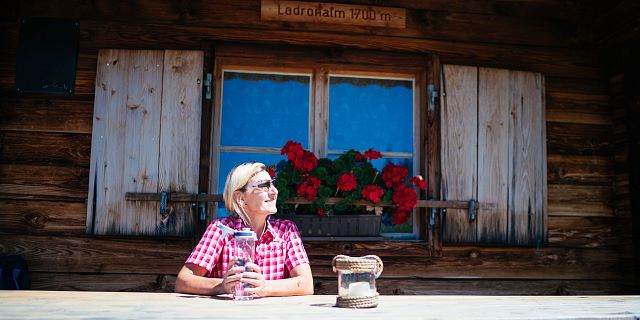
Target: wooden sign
{"x":318,"y":12}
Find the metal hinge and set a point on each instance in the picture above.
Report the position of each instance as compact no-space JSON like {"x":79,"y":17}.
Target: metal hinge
{"x":207,"y":84}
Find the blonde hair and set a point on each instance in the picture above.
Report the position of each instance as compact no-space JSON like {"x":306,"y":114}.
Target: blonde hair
{"x":237,"y":179}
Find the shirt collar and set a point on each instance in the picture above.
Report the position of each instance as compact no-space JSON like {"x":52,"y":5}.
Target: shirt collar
{"x":269,"y":232}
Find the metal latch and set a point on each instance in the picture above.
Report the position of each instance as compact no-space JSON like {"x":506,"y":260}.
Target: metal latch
{"x":207,"y":84}
{"x":472,"y":210}
{"x":433,"y":96}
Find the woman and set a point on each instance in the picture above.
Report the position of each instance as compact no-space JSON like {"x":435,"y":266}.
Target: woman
{"x":281,"y":265}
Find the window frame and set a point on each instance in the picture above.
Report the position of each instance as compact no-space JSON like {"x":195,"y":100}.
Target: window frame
{"x":322,"y":63}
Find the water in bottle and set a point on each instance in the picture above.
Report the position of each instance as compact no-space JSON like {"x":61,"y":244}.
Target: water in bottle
{"x":244,"y":246}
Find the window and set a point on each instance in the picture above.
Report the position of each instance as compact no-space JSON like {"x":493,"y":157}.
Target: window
{"x":328,"y":109}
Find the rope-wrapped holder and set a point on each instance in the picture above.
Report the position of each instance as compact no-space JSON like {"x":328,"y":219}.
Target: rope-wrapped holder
{"x":367,"y":264}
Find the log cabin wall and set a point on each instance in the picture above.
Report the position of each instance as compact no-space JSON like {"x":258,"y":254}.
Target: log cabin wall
{"x":46,"y":142}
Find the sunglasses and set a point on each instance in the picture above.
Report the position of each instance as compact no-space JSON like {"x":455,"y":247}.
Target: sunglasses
{"x":265,"y":185}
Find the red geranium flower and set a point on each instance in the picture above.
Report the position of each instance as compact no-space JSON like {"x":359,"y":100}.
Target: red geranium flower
{"x":292,"y":149}
{"x":419,"y":182}
{"x":394,"y":175}
{"x":347,"y":182}
{"x":401,"y":216}
{"x":404,"y":197}
{"x":372,"y":193}
{"x":308,"y":188}
{"x":359,"y":156}
{"x":320,"y":212}
{"x":271,"y":169}
{"x":372,"y":154}
{"x":306,"y":162}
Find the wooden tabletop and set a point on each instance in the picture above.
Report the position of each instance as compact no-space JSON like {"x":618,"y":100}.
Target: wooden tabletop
{"x":134,"y":305}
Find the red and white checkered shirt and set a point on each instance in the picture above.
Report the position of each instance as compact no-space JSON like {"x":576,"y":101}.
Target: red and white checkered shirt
{"x":278,"y":250}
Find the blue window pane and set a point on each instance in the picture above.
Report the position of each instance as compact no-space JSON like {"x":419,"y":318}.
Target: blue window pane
{"x":264,"y":110}
{"x":370,"y":113}
{"x":228,"y":160}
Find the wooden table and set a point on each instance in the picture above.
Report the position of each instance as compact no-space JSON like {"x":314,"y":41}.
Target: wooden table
{"x":134,"y":305}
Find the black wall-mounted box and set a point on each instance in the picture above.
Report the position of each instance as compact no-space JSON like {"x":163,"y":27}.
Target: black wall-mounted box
{"x":47,"y":55}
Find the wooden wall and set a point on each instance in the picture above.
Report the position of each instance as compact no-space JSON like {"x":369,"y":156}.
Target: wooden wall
{"x":46,"y":140}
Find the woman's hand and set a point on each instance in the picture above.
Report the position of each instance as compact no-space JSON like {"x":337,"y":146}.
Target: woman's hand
{"x":231,"y":277}
{"x":255,"y":279}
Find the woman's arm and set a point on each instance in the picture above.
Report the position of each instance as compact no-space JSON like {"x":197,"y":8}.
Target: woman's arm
{"x":300,"y":283}
{"x":191,"y":280}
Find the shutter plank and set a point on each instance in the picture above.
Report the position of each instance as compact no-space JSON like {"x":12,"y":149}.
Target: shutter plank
{"x":143,"y":109}
{"x":108,"y":141}
{"x":180,"y":135}
{"x":459,"y":148}
{"x":493,"y":153}
{"x":526,"y":216}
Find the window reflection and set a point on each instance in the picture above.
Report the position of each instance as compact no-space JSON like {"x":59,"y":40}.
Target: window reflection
{"x":264,"y":109}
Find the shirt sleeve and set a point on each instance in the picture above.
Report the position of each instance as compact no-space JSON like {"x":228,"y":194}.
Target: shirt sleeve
{"x":208,"y":251}
{"x":296,"y":254}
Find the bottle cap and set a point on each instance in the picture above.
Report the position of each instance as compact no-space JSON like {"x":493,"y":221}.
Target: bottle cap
{"x":246,"y":232}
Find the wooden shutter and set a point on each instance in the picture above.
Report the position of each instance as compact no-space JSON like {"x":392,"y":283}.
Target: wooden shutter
{"x":493,"y":151}
{"x":146,"y":138}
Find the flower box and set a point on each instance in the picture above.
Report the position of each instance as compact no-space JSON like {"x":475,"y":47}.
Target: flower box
{"x":337,"y":225}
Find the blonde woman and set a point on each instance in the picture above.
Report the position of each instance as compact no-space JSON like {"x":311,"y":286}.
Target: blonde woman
{"x":281,"y":266}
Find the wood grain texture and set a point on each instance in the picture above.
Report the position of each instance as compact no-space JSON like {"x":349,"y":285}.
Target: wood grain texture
{"x":459,"y":148}
{"x":143,"y":112}
{"x":46,"y":182}
{"x":81,"y":305}
{"x":578,"y":139}
{"x":97,"y":255}
{"x":493,"y":154}
{"x":421,"y":286}
{"x":576,"y":200}
{"x":497,"y":263}
{"x":45,"y":148}
{"x":526,"y":197}
{"x":111,"y":282}
{"x":46,"y":114}
{"x":588,"y":232}
{"x":28,"y":217}
{"x":108,"y":146}
{"x":579,"y":170}
{"x":135,"y":256}
{"x":180,"y":135}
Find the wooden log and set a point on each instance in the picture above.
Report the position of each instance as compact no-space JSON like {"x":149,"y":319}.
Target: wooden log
{"x":99,"y":255}
{"x":137,"y":256}
{"x":62,"y":149}
{"x":419,"y":286}
{"x":496,"y":263}
{"x":578,"y":108}
{"x":57,"y":218}
{"x":43,"y":182}
{"x":423,"y":20}
{"x":579,"y":170}
{"x":588,"y":232}
{"x":571,"y":85}
{"x":552,"y":61}
{"x":578,"y":139}
{"x":102,"y":282}
{"x":46,"y":114}
{"x":582,"y":201}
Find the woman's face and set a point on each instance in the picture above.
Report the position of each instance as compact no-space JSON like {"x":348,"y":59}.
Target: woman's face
{"x":260,"y":195}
